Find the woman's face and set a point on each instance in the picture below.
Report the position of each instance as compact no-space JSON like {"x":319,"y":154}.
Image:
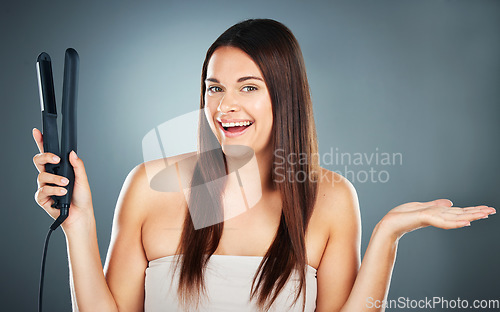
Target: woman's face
{"x":236,"y":92}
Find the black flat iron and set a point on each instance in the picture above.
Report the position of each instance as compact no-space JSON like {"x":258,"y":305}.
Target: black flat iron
{"x":49,"y":123}
{"x":51,"y":137}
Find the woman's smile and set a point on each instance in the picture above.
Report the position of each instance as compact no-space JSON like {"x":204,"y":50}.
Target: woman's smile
{"x":233,"y":128}
{"x":237,"y":102}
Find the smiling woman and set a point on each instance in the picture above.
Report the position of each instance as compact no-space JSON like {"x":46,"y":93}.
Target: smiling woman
{"x":297,"y":245}
{"x":237,"y":100}
{"x":246,"y":103}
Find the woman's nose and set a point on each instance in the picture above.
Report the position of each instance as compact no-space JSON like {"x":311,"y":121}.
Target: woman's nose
{"x":228,"y":103}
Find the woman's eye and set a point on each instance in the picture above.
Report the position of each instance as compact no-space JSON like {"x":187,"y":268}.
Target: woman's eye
{"x":249,"y":88}
{"x":214,"y":89}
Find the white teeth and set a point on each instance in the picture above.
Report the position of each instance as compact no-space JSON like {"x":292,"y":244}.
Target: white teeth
{"x":236,"y":124}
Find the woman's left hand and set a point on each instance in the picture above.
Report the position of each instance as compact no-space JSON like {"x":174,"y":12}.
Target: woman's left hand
{"x":439,"y":213}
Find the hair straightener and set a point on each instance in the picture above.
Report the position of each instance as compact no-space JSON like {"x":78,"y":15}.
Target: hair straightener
{"x":50,"y":134}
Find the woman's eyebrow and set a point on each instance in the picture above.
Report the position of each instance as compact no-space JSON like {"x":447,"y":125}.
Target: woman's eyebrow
{"x":239,"y":80}
{"x":249,"y":77}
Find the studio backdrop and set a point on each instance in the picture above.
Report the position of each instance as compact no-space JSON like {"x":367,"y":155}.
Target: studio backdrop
{"x":406,"y":101}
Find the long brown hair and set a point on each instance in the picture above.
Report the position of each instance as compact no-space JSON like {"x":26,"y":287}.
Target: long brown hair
{"x":275,"y":50}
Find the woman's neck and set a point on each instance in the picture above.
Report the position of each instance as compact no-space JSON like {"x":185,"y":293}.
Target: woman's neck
{"x":254,"y":170}
{"x":249,"y":185}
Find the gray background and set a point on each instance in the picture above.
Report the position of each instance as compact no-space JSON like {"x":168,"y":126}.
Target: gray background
{"x":420,"y":78}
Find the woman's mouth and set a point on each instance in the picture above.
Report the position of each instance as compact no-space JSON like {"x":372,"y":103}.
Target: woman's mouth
{"x":234,"y":129}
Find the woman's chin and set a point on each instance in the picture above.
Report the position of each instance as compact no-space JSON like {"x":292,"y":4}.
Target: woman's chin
{"x":237,"y":151}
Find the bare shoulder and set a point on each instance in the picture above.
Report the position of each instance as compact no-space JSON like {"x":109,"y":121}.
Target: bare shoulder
{"x":337,"y":201}
{"x":155,"y":181}
{"x":339,"y":213}
{"x":170,"y":174}
{"x":128,"y":254}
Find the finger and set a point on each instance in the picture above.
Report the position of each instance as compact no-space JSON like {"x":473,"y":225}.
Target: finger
{"x":44,"y":193}
{"x":38,"y":137}
{"x":447,"y":223}
{"x":483,"y":208}
{"x":458,"y":210}
{"x":448,"y":220}
{"x":46,"y":178}
{"x":440,"y":202}
{"x":467,"y":216}
{"x":79,"y":168}
{"x":45,"y":201}
{"x":46,"y":158}
{"x":47,"y":190}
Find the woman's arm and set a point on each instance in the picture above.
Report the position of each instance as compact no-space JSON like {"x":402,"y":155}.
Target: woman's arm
{"x":342,"y":284}
{"x":126,"y":261}
{"x":339,"y":212}
{"x":374,"y":277}
{"x":88,"y":286}
{"x":90,"y":290}
{"x":371,"y":287}
{"x":121,"y":286}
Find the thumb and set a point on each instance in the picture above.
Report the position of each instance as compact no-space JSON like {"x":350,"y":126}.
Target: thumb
{"x":442,"y":202}
{"x":78,"y":167}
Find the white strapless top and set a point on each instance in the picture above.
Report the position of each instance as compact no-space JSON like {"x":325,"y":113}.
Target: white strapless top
{"x":228,"y":281}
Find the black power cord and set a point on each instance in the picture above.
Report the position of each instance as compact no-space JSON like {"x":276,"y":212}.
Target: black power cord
{"x":55,"y":225}
{"x":42,"y":270}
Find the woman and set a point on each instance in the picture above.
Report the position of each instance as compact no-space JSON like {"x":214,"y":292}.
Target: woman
{"x":308,"y":229}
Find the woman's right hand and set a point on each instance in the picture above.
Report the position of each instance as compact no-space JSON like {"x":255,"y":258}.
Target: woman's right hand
{"x":81,"y":212}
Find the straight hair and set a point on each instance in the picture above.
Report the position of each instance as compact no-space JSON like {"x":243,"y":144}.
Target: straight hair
{"x":275,"y":50}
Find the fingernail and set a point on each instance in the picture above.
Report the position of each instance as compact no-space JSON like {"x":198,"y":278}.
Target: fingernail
{"x":64,"y":191}
{"x":55,"y":158}
{"x":467,"y":224}
{"x":74,"y":153}
{"x":64,"y":180}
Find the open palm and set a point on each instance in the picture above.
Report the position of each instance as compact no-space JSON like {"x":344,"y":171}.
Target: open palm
{"x":438,"y":213}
